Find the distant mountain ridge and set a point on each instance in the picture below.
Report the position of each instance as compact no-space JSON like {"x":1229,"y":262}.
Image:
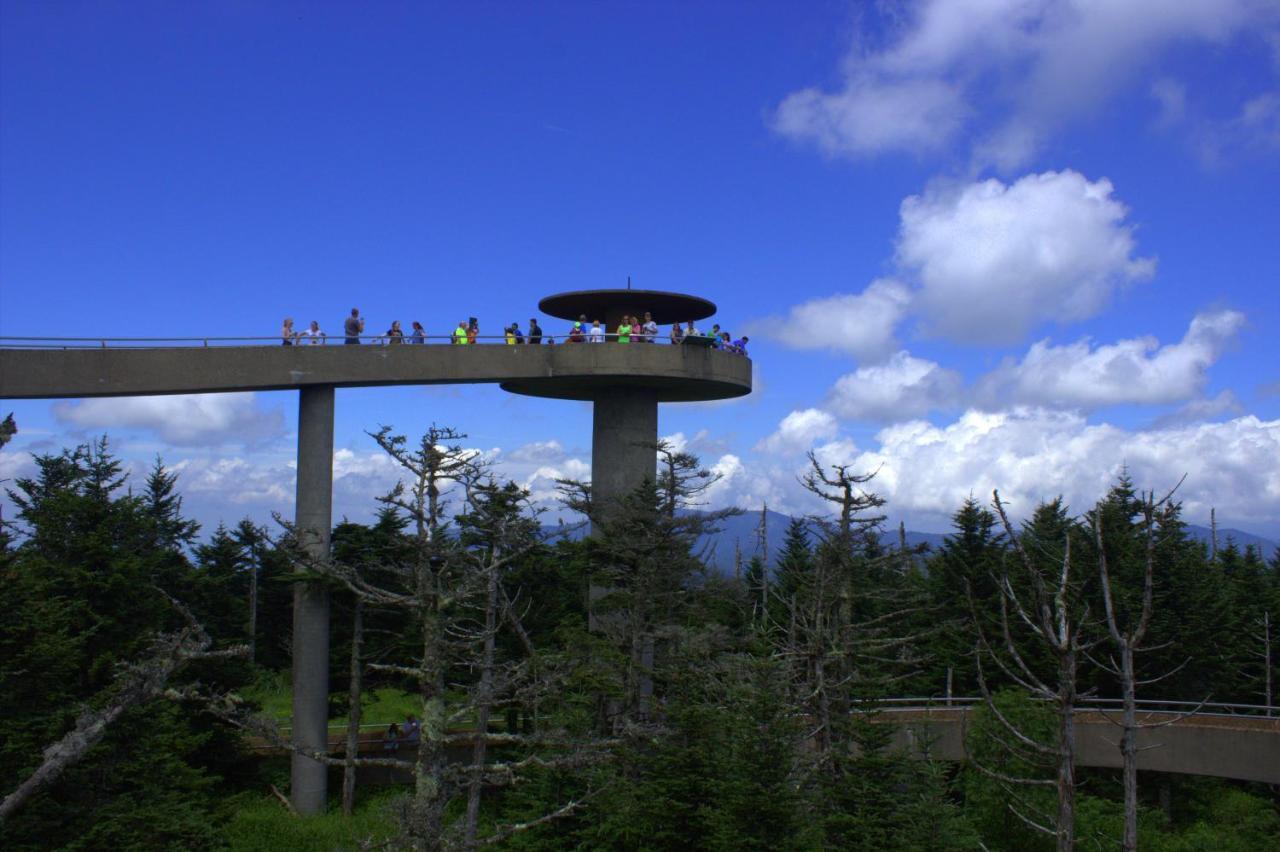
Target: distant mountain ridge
{"x":741,"y":531}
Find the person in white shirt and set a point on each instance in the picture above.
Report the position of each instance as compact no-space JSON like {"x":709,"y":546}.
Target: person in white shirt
{"x":650,"y":328}
{"x":312,"y":335}
{"x":596,"y":334}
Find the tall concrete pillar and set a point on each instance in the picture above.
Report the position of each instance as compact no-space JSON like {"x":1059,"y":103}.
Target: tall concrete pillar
{"x":308,"y":784}
{"x":623,"y":434}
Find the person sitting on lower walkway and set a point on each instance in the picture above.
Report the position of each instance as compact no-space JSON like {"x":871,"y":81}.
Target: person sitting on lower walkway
{"x":412,"y":731}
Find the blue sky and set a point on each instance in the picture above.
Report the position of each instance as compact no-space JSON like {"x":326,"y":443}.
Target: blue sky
{"x":976,"y":243}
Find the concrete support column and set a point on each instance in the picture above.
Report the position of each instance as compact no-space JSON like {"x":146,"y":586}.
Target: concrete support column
{"x":623,"y":435}
{"x":308,"y":780}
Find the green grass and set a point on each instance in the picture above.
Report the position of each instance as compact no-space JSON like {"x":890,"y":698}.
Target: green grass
{"x":384,"y":706}
{"x":380,"y":706}
{"x":273,"y":692}
{"x":263,"y":824}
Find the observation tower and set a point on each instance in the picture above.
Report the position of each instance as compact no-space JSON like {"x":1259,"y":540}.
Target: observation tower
{"x":625,"y":394}
{"x":624,"y":383}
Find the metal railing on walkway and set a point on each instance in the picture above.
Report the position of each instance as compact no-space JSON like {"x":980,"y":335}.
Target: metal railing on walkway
{"x":1197,"y":708}
{"x":307,"y":342}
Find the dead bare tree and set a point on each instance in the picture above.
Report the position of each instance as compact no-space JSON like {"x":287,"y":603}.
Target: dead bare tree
{"x":846,"y":641}
{"x":436,"y":464}
{"x":136,"y":683}
{"x":354,"y":693}
{"x":682,"y":480}
{"x":1128,"y":632}
{"x":1264,"y":637}
{"x":844,"y":488}
{"x":450,"y":582}
{"x":762,"y":547}
{"x":1048,"y":610}
{"x":250,"y":537}
{"x":497,"y":528}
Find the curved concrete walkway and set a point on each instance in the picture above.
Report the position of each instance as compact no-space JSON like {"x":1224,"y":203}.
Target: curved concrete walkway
{"x":1245,"y":748}
{"x":567,"y":371}
{"x":624,"y":381}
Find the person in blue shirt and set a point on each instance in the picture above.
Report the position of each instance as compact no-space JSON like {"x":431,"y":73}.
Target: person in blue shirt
{"x":412,"y":731}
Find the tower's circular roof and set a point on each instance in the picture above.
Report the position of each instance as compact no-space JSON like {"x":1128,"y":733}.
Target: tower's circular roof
{"x":601,"y":304}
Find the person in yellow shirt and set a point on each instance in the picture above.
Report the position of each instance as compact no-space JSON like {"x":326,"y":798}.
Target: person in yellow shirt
{"x":460,"y":334}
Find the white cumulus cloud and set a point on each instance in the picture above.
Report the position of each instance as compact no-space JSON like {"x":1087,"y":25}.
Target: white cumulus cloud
{"x":904,"y":387}
{"x":860,"y":324}
{"x":238,"y":485}
{"x":872,"y":114}
{"x":799,"y":430}
{"x":1137,"y":370}
{"x":1035,"y":454}
{"x":184,"y":420}
{"x":1201,"y":410}
{"x":1003,"y":73}
{"x":994,"y":260}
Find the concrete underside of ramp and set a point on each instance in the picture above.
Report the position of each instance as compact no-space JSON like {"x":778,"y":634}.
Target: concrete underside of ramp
{"x":1246,"y":748}
{"x":568,"y":371}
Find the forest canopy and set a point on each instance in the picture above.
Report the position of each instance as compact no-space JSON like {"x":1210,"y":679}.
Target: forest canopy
{"x":611,"y":691}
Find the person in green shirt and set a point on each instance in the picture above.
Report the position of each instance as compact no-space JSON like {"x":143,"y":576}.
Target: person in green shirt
{"x":460,"y":333}
{"x":624,"y":330}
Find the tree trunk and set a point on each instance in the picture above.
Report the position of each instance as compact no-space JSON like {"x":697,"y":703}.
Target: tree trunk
{"x":427,"y":816}
{"x":1066,"y":828}
{"x":484,"y":705}
{"x":353,"y":711}
{"x":1266,"y":659}
{"x":1129,"y":748}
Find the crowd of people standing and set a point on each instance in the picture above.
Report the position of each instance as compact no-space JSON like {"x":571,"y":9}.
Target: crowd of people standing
{"x":630,"y":329}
